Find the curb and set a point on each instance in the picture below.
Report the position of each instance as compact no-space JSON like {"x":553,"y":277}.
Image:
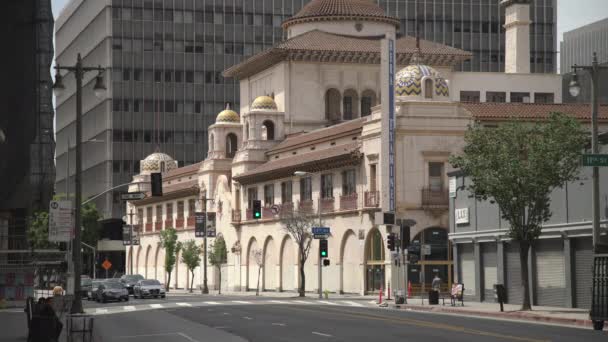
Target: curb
{"x":515,"y":315}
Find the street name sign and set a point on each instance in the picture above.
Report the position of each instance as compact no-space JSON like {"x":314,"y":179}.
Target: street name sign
{"x":61,"y":221}
{"x":320,"y":232}
{"x":595,"y":159}
{"x":132,"y":196}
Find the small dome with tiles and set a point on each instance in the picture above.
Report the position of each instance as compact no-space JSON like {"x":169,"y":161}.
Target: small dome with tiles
{"x":409,"y":81}
{"x":157,"y":162}
{"x":228,"y":115}
{"x":264,"y":103}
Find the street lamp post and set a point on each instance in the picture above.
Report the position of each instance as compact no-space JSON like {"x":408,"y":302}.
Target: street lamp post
{"x":79,"y":71}
{"x":204,"y":200}
{"x":575,"y":89}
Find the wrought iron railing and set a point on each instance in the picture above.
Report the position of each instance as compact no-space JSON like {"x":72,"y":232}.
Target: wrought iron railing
{"x":435,"y":197}
{"x":372,"y":199}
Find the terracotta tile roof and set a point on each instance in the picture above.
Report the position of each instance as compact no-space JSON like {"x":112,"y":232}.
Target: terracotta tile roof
{"x":328,"y":133}
{"x":323,"y":46}
{"x":335,"y":156}
{"x":501,"y":111}
{"x":181,"y":171}
{"x":340,"y":9}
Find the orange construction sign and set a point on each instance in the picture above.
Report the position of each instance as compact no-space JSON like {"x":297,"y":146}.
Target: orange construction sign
{"x":106,"y":265}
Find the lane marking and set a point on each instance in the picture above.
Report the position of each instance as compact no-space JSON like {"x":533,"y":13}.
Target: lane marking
{"x":148,"y":335}
{"x":221,"y":327}
{"x":101,"y":311}
{"x":128,"y":308}
{"x":225,"y":314}
{"x":212,"y":303}
{"x":247,"y":318}
{"x":156,"y":306}
{"x":321,"y":334}
{"x":279,"y":324}
{"x":278,"y":301}
{"x":241,"y":302}
{"x":187,"y":337}
{"x":352,"y":303}
{"x":183,"y":304}
{"x":301,"y":302}
{"x":327,"y":302}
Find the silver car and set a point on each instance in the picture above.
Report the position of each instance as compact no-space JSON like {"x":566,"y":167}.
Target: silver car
{"x":148,"y":288}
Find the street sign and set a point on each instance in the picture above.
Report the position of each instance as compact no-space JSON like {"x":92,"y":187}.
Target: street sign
{"x":595,"y":159}
{"x":426,"y":249}
{"x":129,"y":236}
{"x":452,"y":187}
{"x":61,"y":221}
{"x":199,"y":224}
{"x":320,"y":232}
{"x":132,"y":196}
{"x":106,"y":265}
{"x":211,"y":224}
{"x":275,"y":209}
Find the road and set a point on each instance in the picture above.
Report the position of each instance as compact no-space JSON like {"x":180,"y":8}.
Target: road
{"x":218,"y":318}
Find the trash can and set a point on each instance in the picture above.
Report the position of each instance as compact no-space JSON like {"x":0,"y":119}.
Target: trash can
{"x":80,"y":328}
{"x":433,"y":297}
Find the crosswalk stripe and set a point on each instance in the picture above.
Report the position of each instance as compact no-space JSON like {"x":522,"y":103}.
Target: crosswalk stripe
{"x":351,"y":303}
{"x":278,"y":301}
{"x":156,"y":306}
{"x":128,"y":308}
{"x":212,"y":303}
{"x":241,"y":302}
{"x":101,"y":311}
{"x":301,"y":302}
{"x":327,"y":302}
{"x":183,"y":304}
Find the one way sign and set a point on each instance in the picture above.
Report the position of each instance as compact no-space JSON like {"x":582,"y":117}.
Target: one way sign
{"x":133,"y":196}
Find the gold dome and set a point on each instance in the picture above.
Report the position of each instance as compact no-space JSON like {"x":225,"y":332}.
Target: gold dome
{"x":228,"y":115}
{"x":408,"y":81}
{"x":264,"y":103}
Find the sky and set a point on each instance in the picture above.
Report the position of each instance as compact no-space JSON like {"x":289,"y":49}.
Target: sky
{"x":570,"y":13}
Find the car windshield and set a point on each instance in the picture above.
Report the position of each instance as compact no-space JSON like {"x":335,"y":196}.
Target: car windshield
{"x":150,"y":282}
{"x":95,"y":283}
{"x":113,"y":285}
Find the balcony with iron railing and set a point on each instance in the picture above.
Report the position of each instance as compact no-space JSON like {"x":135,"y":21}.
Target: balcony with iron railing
{"x":372,"y":199}
{"x":158,"y":226}
{"x":306,"y":206}
{"x":190,"y":222}
{"x":267,"y":213}
{"x":236,"y":215}
{"x":435,"y":198}
{"x":348,"y":202}
{"x":179,"y":222}
{"x":287,"y":208}
{"x":327,"y":204}
{"x":148,"y":227}
{"x":248,"y":214}
{"x":169,"y":224}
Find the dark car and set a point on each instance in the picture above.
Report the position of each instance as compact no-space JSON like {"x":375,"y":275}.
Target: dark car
{"x":111,"y":290}
{"x":92,"y":295}
{"x":148,"y":288}
{"x":85,"y":286}
{"x":129,"y":280}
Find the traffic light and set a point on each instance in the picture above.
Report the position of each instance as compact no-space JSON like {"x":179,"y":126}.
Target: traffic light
{"x":257,"y":209}
{"x":391,"y":242}
{"x":323,"y":248}
{"x":156,"y":180}
{"x":325,"y":262}
{"x":405,"y":237}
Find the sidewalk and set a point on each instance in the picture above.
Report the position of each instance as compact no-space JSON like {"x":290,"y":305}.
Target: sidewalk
{"x":290,"y":294}
{"x":541,"y":314}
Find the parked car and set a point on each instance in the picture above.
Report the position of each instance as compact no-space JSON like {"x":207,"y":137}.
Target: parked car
{"x":93,"y":291}
{"x":129,"y":280}
{"x":111,"y":290}
{"x":85,"y":286}
{"x":148,"y":288}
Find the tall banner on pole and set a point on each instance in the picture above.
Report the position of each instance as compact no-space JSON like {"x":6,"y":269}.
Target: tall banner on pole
{"x":387,"y":155}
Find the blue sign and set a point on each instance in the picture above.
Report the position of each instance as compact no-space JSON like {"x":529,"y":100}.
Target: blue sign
{"x":320,"y":230}
{"x":391,"y":124}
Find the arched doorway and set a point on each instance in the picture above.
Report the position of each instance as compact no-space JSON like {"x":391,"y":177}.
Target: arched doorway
{"x":350,"y":104}
{"x":267,"y":130}
{"x":137,"y":269}
{"x":433,"y":246}
{"x":148,"y":260}
{"x":270,"y":263}
{"x":158,"y":265}
{"x":288,"y":265}
{"x":374,"y":262}
{"x":350,"y":260}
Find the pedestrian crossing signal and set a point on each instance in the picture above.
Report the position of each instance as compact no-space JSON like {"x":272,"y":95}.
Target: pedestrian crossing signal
{"x":257,"y":209}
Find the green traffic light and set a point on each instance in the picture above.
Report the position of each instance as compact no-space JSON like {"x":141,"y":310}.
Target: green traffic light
{"x":323,"y":254}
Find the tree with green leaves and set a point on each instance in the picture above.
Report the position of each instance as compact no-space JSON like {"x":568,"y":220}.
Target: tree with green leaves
{"x":168,"y":241}
{"x":218,"y":255}
{"x":518,"y":164}
{"x":191,"y":257}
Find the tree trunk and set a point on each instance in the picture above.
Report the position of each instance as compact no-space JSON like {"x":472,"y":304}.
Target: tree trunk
{"x":191,"y":280}
{"x":302,"y":287}
{"x":524,"y":250}
{"x":219,"y":285}
{"x":257,"y":289}
{"x":168,"y":282}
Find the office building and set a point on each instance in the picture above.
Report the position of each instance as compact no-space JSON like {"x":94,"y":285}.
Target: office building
{"x":578,"y":48}
{"x":165,"y":58}
{"x":27,"y":170}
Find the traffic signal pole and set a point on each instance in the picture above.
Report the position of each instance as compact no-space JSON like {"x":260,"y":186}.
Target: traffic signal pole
{"x":320,"y":270}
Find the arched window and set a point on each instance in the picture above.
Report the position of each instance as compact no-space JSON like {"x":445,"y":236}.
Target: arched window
{"x":351,"y":104}
{"x":428,"y":88}
{"x":268,"y":130}
{"x":211,"y":143}
{"x":332,"y":105}
{"x":162,"y":166}
{"x":368,"y":100}
{"x":231,"y":145}
{"x":374,"y":262}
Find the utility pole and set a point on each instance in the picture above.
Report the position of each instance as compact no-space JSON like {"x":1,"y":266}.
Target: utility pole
{"x":131,"y":240}
{"x":320,"y":259}
{"x":205,"y":287}
{"x":594,"y":72}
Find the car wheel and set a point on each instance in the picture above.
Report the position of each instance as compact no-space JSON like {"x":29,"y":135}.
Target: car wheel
{"x":163,"y":296}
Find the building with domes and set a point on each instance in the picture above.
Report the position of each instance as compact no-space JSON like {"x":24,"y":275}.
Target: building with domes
{"x":311,"y":134}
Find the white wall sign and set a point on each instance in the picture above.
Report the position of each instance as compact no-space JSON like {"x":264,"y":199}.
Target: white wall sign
{"x":461,"y":215}
{"x":61,"y":221}
{"x":452,"y":187}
